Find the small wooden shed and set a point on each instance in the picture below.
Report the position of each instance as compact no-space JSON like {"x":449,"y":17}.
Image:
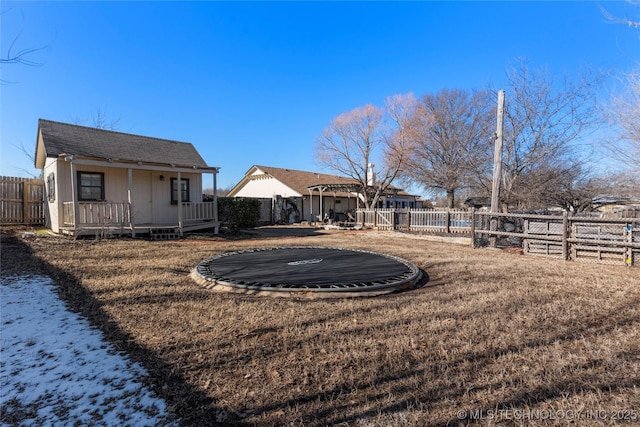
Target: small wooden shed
{"x":101,"y":181}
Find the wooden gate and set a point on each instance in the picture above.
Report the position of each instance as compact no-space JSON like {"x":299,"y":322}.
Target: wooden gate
{"x":21,"y":201}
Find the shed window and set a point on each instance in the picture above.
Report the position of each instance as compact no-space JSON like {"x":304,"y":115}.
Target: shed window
{"x":184,"y":190}
{"x":51,"y":187}
{"x":91,"y":186}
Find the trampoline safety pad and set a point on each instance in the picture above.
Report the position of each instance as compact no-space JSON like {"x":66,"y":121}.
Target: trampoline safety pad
{"x":306,"y":271}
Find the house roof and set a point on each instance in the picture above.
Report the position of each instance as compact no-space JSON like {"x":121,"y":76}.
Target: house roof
{"x":63,"y":138}
{"x":301,"y":181}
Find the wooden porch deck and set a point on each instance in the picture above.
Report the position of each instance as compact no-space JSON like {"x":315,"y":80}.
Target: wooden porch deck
{"x":110,"y":219}
{"x":139,"y":229}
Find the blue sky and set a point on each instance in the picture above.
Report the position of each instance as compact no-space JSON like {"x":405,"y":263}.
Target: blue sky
{"x":256,"y":82}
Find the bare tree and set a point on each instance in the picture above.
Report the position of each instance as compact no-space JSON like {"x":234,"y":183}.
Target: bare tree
{"x":624,"y":115}
{"x":544,"y":122}
{"x":622,"y":185}
{"x":632,"y":19}
{"x":449,"y":140}
{"x":99,"y":120}
{"x":563,"y":185}
{"x":367,"y":144}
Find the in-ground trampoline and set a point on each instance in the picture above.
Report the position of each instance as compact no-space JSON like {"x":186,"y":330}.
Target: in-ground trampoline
{"x":307,"y":271}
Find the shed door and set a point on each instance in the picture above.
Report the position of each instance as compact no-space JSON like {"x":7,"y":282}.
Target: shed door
{"x":141,"y":197}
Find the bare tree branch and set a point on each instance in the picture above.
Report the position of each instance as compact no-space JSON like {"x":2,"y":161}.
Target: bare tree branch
{"x":631,"y":21}
{"x":20,"y":56}
{"x":544,"y":119}
{"x":98,"y":120}
{"x":364,"y":140}
{"x":624,"y":114}
{"x":448,"y":140}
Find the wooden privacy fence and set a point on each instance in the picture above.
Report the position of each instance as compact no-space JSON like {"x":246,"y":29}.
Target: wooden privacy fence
{"x":578,"y":238}
{"x":21,"y":201}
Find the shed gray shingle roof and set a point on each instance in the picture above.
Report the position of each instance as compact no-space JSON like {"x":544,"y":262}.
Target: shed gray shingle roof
{"x":63,"y":138}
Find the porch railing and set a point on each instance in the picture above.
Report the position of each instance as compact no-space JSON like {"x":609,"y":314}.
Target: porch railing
{"x":97,"y":214}
{"x":118,"y":214}
{"x":198,"y":211}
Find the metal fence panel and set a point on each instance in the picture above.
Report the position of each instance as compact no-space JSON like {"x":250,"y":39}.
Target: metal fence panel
{"x":605,"y":239}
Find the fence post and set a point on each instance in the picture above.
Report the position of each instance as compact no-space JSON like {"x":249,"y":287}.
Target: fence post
{"x":473,"y":227}
{"x":493,"y":226}
{"x":25,"y":202}
{"x":447,"y":217}
{"x":565,"y":235}
{"x":408,"y":219}
{"x":629,"y":252}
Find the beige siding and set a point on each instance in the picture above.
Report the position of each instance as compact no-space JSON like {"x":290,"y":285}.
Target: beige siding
{"x":266,"y":188}
{"x":53,"y":209}
{"x":115,"y":181}
{"x":151,"y":195}
{"x":164,"y":211}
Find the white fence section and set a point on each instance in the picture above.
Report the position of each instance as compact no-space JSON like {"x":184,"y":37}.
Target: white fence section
{"x":419,"y":220}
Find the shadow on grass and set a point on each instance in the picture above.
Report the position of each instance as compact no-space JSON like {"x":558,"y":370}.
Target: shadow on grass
{"x":382,"y":382}
{"x":282,"y":232}
{"x":191,"y":405}
{"x":378,"y":384}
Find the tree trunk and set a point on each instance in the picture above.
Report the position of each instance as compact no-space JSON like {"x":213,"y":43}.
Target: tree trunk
{"x":450,"y":199}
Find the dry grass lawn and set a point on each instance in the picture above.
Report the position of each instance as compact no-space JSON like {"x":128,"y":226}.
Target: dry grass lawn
{"x":509,"y":338}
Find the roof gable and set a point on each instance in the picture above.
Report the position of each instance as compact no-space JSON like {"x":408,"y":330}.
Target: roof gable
{"x":56,"y":138}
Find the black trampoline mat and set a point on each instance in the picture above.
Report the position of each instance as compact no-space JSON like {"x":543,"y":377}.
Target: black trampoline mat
{"x":303,"y":266}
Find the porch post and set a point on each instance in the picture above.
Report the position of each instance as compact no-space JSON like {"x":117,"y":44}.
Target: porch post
{"x":179,"y":184}
{"x":74,"y":196}
{"x":310,"y":205}
{"x":129,"y":199}
{"x":216,"y":229}
{"x":321,"y":206}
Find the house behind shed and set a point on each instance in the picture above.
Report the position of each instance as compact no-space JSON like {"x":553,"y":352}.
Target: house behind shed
{"x":310,"y":196}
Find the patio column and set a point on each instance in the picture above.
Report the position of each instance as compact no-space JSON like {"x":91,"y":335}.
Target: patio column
{"x":321,"y":206}
{"x":129,"y":199}
{"x":216,"y":229}
{"x":179,"y":195}
{"x":311,"y":205}
{"x":74,"y":195}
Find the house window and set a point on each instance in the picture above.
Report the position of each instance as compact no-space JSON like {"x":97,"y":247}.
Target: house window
{"x":184,"y":190}
{"x":51,"y":187}
{"x":91,"y":186}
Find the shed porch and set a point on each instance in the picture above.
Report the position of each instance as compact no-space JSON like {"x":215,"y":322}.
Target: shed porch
{"x":116,"y":218}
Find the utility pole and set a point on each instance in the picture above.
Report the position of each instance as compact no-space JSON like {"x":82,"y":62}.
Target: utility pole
{"x":497,"y":166}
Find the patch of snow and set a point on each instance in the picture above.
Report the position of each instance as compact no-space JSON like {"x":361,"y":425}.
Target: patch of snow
{"x":55,"y":369}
